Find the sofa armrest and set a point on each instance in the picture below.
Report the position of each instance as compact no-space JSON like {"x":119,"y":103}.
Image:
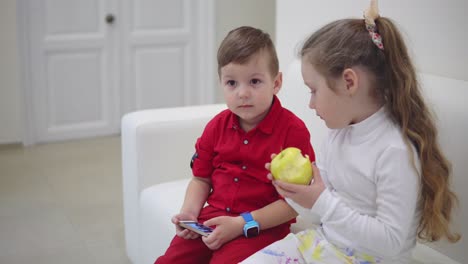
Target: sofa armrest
{"x":157,"y":146}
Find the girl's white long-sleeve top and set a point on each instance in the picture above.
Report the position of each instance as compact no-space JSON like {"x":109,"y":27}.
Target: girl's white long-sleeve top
{"x":371,"y":200}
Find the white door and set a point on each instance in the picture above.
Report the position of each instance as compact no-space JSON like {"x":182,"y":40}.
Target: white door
{"x":91,"y":61}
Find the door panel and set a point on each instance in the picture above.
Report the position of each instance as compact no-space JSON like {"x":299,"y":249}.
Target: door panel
{"x":66,"y":16}
{"x":73,"y":90}
{"x":159,"y":14}
{"x":159,"y":53}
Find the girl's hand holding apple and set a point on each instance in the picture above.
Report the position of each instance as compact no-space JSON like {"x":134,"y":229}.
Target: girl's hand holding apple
{"x":304,"y":195}
{"x":301,"y":191}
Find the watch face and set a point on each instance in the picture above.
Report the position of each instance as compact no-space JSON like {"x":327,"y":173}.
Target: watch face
{"x":252,"y":231}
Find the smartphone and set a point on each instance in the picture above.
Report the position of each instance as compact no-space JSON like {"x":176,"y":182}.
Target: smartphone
{"x":196,"y":227}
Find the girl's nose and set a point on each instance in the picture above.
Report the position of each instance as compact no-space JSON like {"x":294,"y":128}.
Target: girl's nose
{"x":312,"y":103}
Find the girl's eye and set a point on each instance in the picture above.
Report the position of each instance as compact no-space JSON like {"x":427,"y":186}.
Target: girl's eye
{"x":255,"y":81}
{"x":231,"y":83}
{"x":312,"y":93}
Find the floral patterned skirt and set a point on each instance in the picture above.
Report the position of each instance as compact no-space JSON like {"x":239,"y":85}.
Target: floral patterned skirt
{"x":306,"y":247}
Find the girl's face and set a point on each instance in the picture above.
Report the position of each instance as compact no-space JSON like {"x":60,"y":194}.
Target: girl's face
{"x":249,"y":89}
{"x":330,"y":105}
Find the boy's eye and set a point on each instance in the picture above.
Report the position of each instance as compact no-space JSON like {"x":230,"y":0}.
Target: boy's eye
{"x":255,"y":81}
{"x":231,"y":83}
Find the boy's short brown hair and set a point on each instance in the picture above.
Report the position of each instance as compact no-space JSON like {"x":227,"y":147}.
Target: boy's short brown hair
{"x":243,"y":42}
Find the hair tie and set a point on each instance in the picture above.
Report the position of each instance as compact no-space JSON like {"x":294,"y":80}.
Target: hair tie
{"x":370,"y":15}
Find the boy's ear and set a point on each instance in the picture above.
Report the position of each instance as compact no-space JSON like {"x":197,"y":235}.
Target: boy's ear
{"x":351,"y":80}
{"x":278,"y":82}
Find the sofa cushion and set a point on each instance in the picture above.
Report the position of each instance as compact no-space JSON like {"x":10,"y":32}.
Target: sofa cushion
{"x":158,"y":204}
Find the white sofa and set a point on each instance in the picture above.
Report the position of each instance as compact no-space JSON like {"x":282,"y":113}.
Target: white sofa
{"x":157,"y":146}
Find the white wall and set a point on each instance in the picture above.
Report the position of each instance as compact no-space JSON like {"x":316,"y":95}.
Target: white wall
{"x":10,"y":117}
{"x":435,"y":32}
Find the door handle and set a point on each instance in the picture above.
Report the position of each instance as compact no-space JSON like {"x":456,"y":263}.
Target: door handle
{"x":110,"y":19}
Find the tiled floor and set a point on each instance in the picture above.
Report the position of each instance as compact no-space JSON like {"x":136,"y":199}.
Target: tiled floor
{"x":62,"y":203}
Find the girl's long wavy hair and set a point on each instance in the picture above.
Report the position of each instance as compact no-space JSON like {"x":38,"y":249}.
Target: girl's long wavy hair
{"x":346,"y":43}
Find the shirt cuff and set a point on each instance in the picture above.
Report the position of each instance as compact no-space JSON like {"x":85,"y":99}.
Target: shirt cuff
{"x":299,"y":209}
{"x":325,"y":205}
{"x":305,"y":213}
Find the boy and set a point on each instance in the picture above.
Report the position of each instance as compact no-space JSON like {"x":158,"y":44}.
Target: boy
{"x":229,"y":164}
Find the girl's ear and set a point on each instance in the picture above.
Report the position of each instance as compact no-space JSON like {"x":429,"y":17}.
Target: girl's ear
{"x":351,"y":80}
{"x":278,"y":83}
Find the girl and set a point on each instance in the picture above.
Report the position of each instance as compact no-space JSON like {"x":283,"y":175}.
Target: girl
{"x":382,"y":180}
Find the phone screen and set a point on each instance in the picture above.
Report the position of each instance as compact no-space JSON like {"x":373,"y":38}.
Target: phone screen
{"x":196,"y":227}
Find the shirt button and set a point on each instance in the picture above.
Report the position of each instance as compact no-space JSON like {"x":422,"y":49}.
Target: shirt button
{"x":246,"y":142}
{"x":236,"y":179}
{"x":228,"y":209}
{"x":244,"y":167}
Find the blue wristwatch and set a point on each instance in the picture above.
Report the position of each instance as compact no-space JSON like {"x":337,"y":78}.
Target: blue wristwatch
{"x":251,"y":227}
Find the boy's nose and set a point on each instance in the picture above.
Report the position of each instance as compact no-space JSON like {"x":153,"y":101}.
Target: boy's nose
{"x":243,"y":91}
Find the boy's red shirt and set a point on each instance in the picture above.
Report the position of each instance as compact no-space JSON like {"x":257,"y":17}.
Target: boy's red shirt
{"x":235,"y":160}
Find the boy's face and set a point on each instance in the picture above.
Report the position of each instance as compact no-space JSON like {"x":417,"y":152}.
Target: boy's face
{"x":331,"y":106}
{"x":249,"y":89}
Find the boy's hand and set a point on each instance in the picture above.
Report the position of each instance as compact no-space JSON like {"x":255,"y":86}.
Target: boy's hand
{"x":227,"y":228}
{"x":180,"y":231}
{"x":268,"y":165}
{"x":304,"y":195}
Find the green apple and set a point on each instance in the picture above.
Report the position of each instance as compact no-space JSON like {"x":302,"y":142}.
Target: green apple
{"x":291,"y":166}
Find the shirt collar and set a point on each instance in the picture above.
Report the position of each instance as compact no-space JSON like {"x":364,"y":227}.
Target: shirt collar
{"x":370,"y":124}
{"x":266,"y":125}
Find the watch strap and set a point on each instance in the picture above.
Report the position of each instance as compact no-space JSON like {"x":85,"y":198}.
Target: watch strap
{"x":247,"y":217}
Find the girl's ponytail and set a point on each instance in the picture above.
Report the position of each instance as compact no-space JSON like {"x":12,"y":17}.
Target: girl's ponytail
{"x":404,"y":101}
